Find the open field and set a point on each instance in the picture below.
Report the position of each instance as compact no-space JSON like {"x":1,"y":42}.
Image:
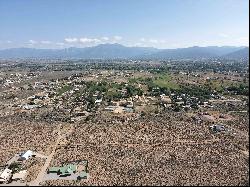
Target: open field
{"x":156,"y":152}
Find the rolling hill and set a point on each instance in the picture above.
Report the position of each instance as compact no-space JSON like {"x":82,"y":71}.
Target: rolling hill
{"x":239,"y":54}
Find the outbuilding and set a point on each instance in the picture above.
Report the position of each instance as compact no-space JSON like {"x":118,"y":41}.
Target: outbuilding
{"x":217,"y":128}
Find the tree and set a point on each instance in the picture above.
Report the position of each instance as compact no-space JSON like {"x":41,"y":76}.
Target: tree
{"x":14,"y":166}
{"x":194,"y":106}
{"x":176,"y":108}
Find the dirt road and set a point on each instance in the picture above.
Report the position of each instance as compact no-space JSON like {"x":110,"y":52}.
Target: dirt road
{"x":46,"y":165}
{"x":61,"y":138}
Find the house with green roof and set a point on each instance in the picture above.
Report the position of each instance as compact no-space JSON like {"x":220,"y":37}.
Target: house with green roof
{"x":64,"y":170}
{"x":67,"y":170}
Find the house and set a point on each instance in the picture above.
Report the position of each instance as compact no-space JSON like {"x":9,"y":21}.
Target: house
{"x":26,"y":155}
{"x":110,"y":108}
{"x":5,"y":175}
{"x":180,"y":103}
{"x":21,"y":175}
{"x":64,"y":170}
{"x":130,"y":104}
{"x":128,"y":110}
{"x":165,"y":99}
{"x":98,"y":101}
{"x":28,"y":107}
{"x":118,"y":110}
{"x":217,"y":128}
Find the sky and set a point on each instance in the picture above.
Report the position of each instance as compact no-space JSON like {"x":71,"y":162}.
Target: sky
{"x":145,"y":23}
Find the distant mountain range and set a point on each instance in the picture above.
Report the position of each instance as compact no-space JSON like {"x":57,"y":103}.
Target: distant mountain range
{"x":198,"y":52}
{"x":242,"y":53}
{"x":111,"y":51}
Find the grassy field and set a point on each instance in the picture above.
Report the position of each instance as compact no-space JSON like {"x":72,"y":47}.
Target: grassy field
{"x":219,"y":85}
{"x":166,"y":81}
{"x":64,"y":89}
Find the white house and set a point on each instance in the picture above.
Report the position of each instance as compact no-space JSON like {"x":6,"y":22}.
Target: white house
{"x":26,"y":155}
{"x":98,"y":101}
{"x":5,"y":175}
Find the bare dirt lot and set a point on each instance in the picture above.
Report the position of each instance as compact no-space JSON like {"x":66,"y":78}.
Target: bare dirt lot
{"x":168,"y":151}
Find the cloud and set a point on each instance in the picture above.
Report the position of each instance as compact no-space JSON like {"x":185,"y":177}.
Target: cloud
{"x":8,"y":42}
{"x":117,"y":38}
{"x":105,"y":38}
{"x":46,"y":42}
{"x":162,"y":41}
{"x":32,"y":42}
{"x":243,"y":40}
{"x":89,"y":40}
{"x":143,"y":40}
{"x":153,"y":41}
{"x":223,"y":35}
{"x":139,"y":44}
{"x":71,"y":40}
{"x":60,"y":43}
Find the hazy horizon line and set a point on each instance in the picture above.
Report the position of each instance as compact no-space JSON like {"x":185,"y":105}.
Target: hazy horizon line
{"x":124,"y":46}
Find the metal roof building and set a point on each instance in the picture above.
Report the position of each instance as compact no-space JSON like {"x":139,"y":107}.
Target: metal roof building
{"x":62,"y":171}
{"x":26,"y":155}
